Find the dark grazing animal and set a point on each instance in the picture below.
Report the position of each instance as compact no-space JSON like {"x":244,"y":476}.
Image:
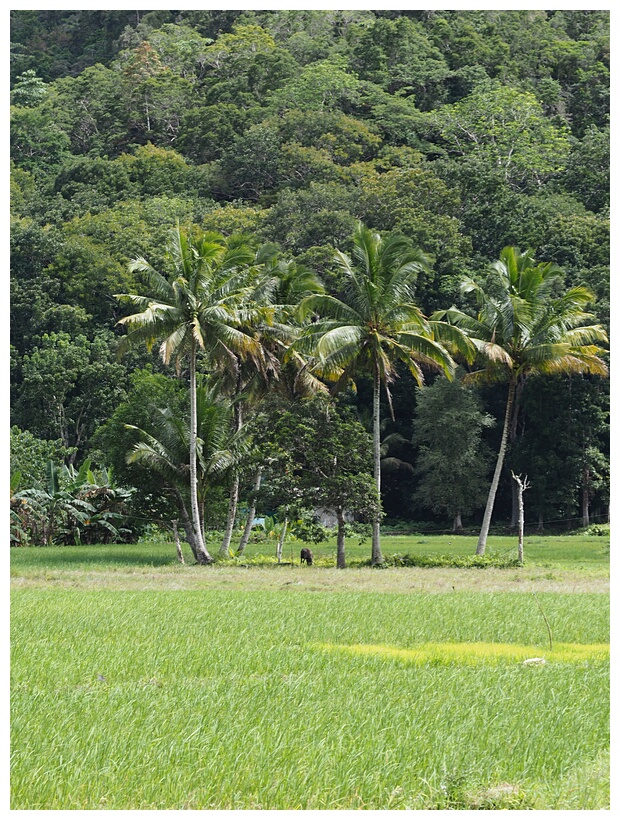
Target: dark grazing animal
{"x":306,"y":555}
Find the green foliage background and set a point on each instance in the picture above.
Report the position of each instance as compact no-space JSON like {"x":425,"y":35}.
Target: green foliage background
{"x":464,"y":130}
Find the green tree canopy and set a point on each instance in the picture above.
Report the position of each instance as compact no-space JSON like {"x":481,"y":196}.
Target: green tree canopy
{"x":374,"y":326}
{"x":526,"y":325}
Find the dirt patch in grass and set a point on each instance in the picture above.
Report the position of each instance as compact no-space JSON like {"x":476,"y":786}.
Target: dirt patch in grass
{"x":318,"y":579}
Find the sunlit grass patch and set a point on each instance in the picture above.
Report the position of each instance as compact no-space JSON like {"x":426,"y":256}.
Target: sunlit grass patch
{"x":476,"y":652}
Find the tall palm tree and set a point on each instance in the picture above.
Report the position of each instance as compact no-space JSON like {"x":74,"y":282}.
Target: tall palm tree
{"x":246,"y":378}
{"x":197,"y":307}
{"x":166,"y":450}
{"x":375,"y":326}
{"x":281,"y":285}
{"x":522,"y":327}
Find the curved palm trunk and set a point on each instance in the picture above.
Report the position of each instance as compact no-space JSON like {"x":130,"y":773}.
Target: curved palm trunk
{"x":514,"y":521}
{"x":486,"y":521}
{"x":234,"y":491}
{"x":251,"y":514}
{"x":202,"y":555}
{"x":177,"y":542}
{"x":188,"y":527}
{"x":280,"y":543}
{"x":232,"y":513}
{"x":340,"y":557}
{"x":377,"y":558}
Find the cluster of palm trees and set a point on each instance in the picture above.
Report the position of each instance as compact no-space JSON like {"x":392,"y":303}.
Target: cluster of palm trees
{"x":261,"y":323}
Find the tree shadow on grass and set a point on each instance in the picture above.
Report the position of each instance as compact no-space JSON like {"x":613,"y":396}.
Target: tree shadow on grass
{"x":119,"y":555}
{"x":92,"y":555}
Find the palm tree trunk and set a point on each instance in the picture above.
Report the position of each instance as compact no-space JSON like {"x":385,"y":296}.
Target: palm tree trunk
{"x":188,"y":527}
{"x":234,"y":490}
{"x":232,"y":513}
{"x":281,"y":539}
{"x":340,"y":557}
{"x":377,"y":558}
{"x":486,"y":521}
{"x":202,"y":556}
{"x":251,"y":513}
{"x":177,"y":542}
{"x":585,"y":498}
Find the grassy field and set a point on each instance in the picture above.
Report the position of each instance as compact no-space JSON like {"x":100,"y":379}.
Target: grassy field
{"x":560,"y":552}
{"x":141,"y":684}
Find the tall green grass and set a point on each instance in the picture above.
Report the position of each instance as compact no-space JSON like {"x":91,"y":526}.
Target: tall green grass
{"x":214,"y":699}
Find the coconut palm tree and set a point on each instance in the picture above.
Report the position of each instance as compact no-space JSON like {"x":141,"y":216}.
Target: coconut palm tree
{"x":375,"y":326}
{"x":281,"y":286}
{"x":523,"y":327}
{"x":247,"y":377}
{"x":165,"y":449}
{"x":197,"y":306}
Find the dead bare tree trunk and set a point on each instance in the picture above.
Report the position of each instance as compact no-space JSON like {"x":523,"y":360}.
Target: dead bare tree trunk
{"x":522,"y":485}
{"x":514,"y":518}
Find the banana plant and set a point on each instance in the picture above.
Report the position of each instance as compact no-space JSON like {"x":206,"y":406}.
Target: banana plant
{"x":54,"y":509}
{"x":72,"y":502}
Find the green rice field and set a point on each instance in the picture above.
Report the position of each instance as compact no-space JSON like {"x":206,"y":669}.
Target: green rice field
{"x":138,"y":683}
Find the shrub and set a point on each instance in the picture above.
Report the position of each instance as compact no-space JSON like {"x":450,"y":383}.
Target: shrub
{"x":598,"y":529}
{"x":457,"y":561}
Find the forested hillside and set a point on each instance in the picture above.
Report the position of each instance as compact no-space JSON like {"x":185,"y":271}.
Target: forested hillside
{"x":463,"y":131}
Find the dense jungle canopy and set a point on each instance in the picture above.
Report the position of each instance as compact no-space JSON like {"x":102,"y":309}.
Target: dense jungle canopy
{"x":463,"y":131}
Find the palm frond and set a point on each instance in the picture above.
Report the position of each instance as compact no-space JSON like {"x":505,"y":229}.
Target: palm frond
{"x":327,"y":306}
{"x":341,"y":344}
{"x":455,"y":340}
{"x":565,"y":358}
{"x":495,"y":353}
{"x":426,"y":351}
{"x":470,"y":324}
{"x":175,"y":345}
